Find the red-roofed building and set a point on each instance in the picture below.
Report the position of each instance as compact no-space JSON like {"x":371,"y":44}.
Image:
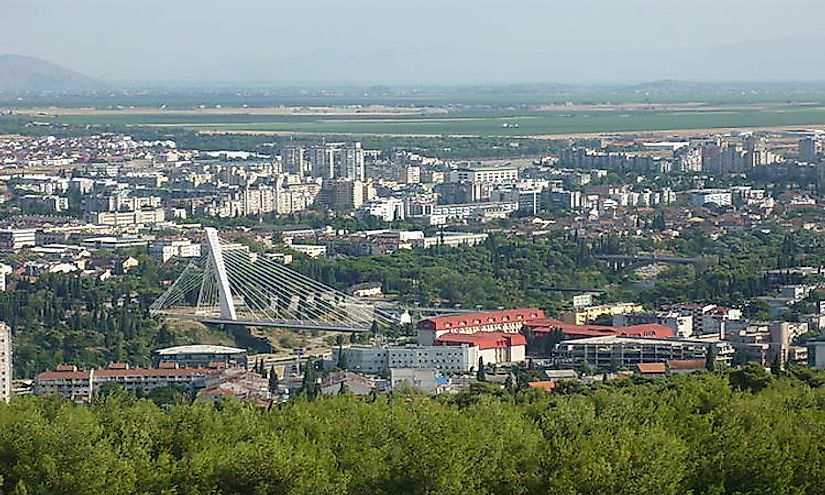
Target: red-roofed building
{"x":651,"y":369}
{"x":81,"y":385}
{"x":493,"y":347}
{"x":507,"y":321}
{"x":546,"y":385}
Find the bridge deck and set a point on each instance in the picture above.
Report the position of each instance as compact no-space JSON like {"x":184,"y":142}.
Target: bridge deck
{"x":293,"y":325}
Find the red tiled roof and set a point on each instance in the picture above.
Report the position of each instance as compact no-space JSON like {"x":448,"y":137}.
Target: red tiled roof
{"x":653,"y":368}
{"x":548,"y":385}
{"x":686,"y":364}
{"x":484,"y":340}
{"x":470,"y":320}
{"x":147,"y":372}
{"x":580,"y":331}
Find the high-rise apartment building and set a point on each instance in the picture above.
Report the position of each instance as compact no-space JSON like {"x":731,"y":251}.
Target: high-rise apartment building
{"x":293,"y":160}
{"x":351,"y":163}
{"x":809,"y":150}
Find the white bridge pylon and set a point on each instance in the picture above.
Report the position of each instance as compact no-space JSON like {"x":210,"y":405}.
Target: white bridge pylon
{"x":230,"y":284}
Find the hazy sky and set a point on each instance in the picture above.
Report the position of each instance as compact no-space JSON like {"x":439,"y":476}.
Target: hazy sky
{"x":274,"y":41}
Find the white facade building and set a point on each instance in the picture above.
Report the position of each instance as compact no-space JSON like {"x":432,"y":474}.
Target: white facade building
{"x":491,"y":175}
{"x":454,"y":359}
{"x":387,"y":209}
{"x":167,"y":249}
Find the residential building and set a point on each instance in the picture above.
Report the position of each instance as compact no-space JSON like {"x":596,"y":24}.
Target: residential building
{"x":580,"y":316}
{"x":235,"y":383}
{"x":809,"y":149}
{"x":346,"y":194}
{"x":451,"y":239}
{"x":379,"y":360}
{"x":81,"y":385}
{"x":719,"y":197}
{"x":127,"y":218}
{"x":113,"y":243}
{"x":181,"y":248}
{"x":200,"y":356}
{"x":17,"y":238}
{"x":293,"y":160}
{"x":387,"y":209}
{"x":491,"y":175}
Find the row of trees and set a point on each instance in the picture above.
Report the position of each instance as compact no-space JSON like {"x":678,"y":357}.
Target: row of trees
{"x":63,"y":318}
{"x":501,"y":272}
{"x":709,"y":433}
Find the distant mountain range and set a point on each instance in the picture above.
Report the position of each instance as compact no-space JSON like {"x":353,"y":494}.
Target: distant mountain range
{"x":400,"y":70}
{"x":19,"y":74}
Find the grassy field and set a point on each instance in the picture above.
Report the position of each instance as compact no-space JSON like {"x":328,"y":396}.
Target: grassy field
{"x":579,"y":120}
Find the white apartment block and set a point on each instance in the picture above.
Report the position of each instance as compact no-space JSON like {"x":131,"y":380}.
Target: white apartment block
{"x":452,"y":359}
{"x":17,"y":238}
{"x":491,"y":175}
{"x":167,"y":249}
{"x":128,"y":218}
{"x":387,"y":209}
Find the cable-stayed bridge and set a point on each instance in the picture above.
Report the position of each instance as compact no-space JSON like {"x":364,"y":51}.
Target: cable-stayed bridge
{"x":230,"y":285}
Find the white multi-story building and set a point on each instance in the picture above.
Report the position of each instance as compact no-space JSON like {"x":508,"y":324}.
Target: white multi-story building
{"x":78,"y":385}
{"x":5,"y":362}
{"x":128,"y":218}
{"x":453,"y":359}
{"x":490,"y":175}
{"x":17,"y":238}
{"x":719,"y":197}
{"x":387,"y":209}
{"x":166,"y":249}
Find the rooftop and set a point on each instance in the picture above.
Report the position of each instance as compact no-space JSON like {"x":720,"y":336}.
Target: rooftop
{"x":199,"y":349}
{"x":469,"y":320}
{"x":484,"y":340}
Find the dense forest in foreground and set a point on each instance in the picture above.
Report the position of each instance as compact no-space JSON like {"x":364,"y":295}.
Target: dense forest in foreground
{"x":740,"y":431}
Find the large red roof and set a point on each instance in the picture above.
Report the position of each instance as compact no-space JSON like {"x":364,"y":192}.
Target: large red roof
{"x":484,"y":340}
{"x":471,"y":320}
{"x":652,"y":330}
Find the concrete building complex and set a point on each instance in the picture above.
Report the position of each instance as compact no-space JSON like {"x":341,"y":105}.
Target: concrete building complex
{"x":379,"y":360}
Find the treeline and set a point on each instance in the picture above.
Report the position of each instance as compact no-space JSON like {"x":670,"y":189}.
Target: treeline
{"x":710,"y":433}
{"x":63,"y":318}
{"x":731,"y":269}
{"x":501,"y":272}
